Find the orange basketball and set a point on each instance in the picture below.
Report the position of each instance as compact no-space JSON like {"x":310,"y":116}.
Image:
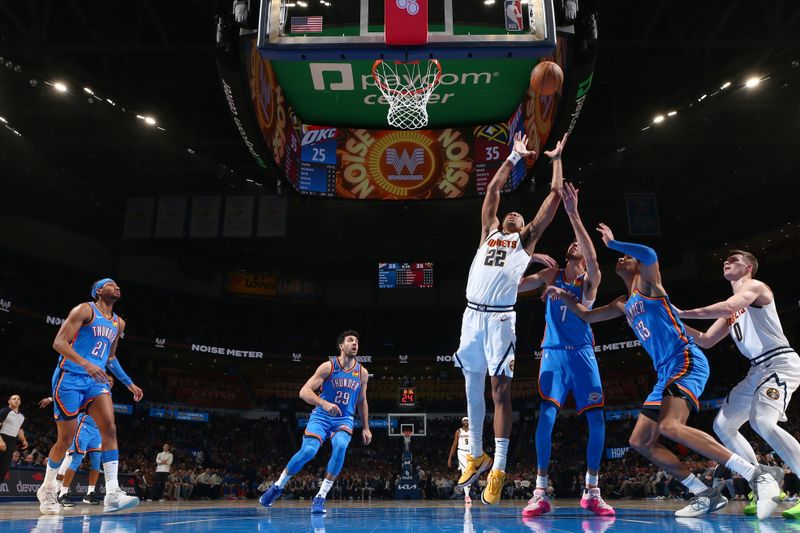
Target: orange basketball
{"x":546,"y":78}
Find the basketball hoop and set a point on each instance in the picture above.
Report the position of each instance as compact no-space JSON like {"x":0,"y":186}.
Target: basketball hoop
{"x":407,"y":432}
{"x":407,"y":86}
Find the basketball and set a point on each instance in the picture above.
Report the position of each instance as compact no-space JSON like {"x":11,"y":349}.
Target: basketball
{"x":546,"y":78}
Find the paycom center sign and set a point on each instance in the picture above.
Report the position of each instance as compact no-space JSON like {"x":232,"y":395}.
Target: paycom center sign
{"x":470,"y":91}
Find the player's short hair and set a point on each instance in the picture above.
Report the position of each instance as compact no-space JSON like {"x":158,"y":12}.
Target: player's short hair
{"x":749,"y":259}
{"x":347,"y":333}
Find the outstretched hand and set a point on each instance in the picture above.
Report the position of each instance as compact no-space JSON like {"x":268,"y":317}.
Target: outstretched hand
{"x":605,"y":233}
{"x":544,"y":259}
{"x":552,"y":292}
{"x":559,"y":147}
{"x":569,"y":194}
{"x":521,"y":145}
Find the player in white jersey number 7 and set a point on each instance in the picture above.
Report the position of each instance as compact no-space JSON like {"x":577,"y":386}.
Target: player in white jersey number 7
{"x":487,"y":330}
{"x":750,"y":317}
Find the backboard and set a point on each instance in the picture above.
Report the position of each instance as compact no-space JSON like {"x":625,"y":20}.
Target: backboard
{"x":350,"y":29}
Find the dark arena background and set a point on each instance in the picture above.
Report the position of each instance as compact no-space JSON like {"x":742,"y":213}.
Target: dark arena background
{"x":230,"y":166}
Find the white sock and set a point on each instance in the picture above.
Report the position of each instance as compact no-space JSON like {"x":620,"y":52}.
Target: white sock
{"x":741,"y":467}
{"x":591,"y":480}
{"x":694,"y":485}
{"x":63,"y":491}
{"x":541,"y":482}
{"x":283,"y":480}
{"x":50,"y":474}
{"x":500,"y":453}
{"x":475,"y":383}
{"x":110,"y":471}
{"x":64,"y":465}
{"x":324,"y":488}
{"x":90,"y":490}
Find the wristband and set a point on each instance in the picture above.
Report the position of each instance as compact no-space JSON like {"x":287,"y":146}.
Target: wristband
{"x":513,"y":158}
{"x":556,"y":158}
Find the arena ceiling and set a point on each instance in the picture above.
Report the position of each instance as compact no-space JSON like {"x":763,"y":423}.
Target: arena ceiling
{"x":724,"y":167}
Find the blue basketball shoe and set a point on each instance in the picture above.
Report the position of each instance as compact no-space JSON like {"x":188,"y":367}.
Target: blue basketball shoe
{"x":269,"y":497}
{"x":318,"y":505}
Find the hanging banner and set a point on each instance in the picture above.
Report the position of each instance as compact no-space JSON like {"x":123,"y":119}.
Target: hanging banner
{"x":205,"y":216}
{"x":271,"y":216}
{"x":139,"y":218}
{"x":171,"y":217}
{"x":238,"y":216}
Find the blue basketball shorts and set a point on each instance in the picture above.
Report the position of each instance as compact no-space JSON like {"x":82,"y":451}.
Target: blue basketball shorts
{"x":323,"y":427}
{"x":73,"y":393}
{"x":575,"y":370}
{"x":683,"y":375}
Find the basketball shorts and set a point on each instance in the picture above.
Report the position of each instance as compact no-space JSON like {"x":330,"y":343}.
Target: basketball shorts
{"x":323,"y":427}
{"x":462,"y":459}
{"x":487,"y":342}
{"x":74,"y":392}
{"x":683,"y":375}
{"x":87,"y":439}
{"x":768,"y":385}
{"x":562,"y":371}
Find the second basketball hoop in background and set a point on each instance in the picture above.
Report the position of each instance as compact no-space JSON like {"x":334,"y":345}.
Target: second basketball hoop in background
{"x":407,"y":87}
{"x":547,"y":78}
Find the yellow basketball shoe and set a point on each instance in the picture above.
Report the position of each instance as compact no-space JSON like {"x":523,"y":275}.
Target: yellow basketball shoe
{"x":494,"y":487}
{"x":475,"y":467}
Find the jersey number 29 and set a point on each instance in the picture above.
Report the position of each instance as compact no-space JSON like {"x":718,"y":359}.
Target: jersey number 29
{"x":342,"y":397}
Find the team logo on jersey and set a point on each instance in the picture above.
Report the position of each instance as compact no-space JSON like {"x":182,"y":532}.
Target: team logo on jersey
{"x":356,"y":373}
{"x":595,"y":397}
{"x":115,"y":323}
{"x":773,"y":394}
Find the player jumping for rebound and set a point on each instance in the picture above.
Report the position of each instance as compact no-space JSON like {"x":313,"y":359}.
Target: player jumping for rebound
{"x":461,"y":448}
{"x":87,"y":344}
{"x":487,"y":330}
{"x":343,"y":381}
{"x":751,"y":319}
{"x":682,"y":371}
{"x":569,"y":364}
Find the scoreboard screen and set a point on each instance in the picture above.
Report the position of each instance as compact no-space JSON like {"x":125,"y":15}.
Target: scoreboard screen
{"x":405,"y":275}
{"x":406,"y":398}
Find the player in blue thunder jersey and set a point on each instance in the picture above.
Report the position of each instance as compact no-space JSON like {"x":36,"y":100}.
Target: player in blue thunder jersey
{"x":682,"y":371}
{"x":568,"y":362}
{"x":87,"y":344}
{"x":342,"y":386}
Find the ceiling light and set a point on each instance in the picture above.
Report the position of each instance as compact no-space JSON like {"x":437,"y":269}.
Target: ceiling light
{"x":672,"y":113}
{"x":3,"y":120}
{"x":150,"y":120}
{"x":752,"y":82}
{"x":88,"y":90}
{"x":658,"y":119}
{"x":60,"y":87}
{"x":302,"y":4}
{"x":110,"y":101}
{"x":488,"y":2}
{"x":702,"y":97}
{"x":725,"y":85}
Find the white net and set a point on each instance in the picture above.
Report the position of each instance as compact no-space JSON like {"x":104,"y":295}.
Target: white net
{"x":407,"y":87}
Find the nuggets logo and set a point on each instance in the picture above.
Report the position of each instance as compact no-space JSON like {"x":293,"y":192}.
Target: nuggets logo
{"x":511,"y":365}
{"x":773,"y":394}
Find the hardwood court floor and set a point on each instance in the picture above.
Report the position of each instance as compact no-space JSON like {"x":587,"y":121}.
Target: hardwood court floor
{"x":384,"y":516}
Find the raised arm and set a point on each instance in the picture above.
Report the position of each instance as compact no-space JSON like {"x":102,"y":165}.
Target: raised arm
{"x":308,"y":392}
{"x":532,"y":231}
{"x":649,"y":272}
{"x":751,"y":291}
{"x":614,"y":309}
{"x":491,"y":201}
{"x":363,"y":407}
{"x":569,"y":195}
{"x":717,"y":332}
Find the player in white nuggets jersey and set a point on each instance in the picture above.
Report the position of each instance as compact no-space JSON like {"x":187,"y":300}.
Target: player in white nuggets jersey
{"x":461,"y":448}
{"x":750,"y":318}
{"x":487,"y":330}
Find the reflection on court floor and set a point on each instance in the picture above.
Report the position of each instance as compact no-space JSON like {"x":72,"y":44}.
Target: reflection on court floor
{"x":384,"y":517}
